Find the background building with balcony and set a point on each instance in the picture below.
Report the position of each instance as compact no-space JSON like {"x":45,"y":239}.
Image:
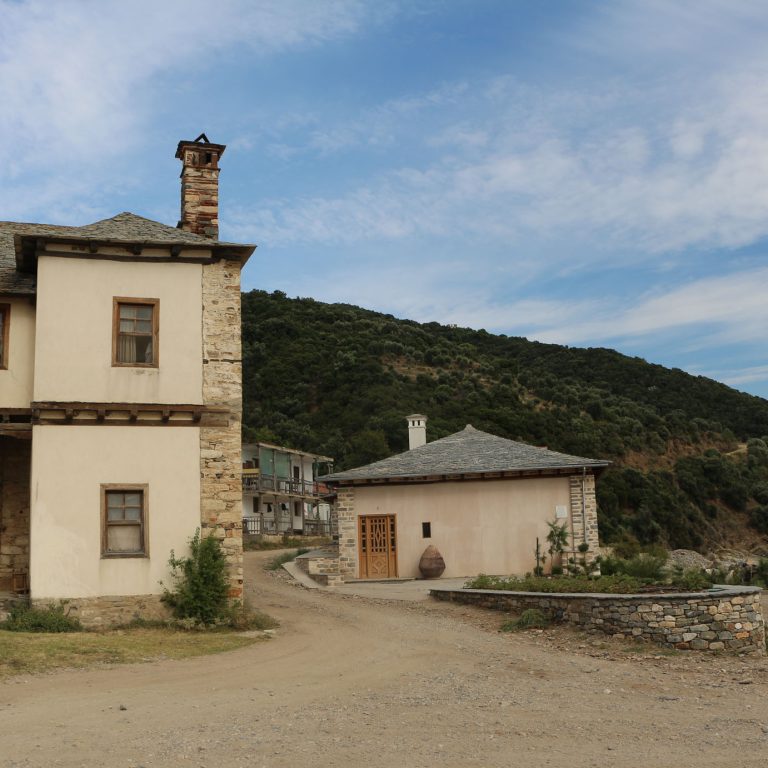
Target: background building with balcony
{"x":280,"y":494}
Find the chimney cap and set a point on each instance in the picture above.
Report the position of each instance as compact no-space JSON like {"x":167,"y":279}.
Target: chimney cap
{"x":419,"y":416}
{"x":201,"y":142}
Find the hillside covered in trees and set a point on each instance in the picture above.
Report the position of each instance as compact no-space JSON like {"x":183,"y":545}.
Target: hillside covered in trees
{"x":690,"y":454}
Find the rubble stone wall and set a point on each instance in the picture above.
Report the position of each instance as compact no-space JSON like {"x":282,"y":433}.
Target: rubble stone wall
{"x":15,"y":459}
{"x":725,"y":619}
{"x":106,"y":611}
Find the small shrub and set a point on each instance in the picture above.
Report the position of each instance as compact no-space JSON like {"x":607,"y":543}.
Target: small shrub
{"x":201,"y":583}
{"x":620,"y":583}
{"x":761,"y":572}
{"x":627,"y":546}
{"x":644,"y":566}
{"x":484,"y":581}
{"x":531,"y":618}
{"x":692,"y":580}
{"x":758,"y":519}
{"x":718,"y":575}
{"x":53,"y":618}
{"x":609,"y":565}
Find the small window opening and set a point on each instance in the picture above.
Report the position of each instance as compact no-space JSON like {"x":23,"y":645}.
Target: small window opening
{"x":135,"y":333}
{"x":426,"y":530}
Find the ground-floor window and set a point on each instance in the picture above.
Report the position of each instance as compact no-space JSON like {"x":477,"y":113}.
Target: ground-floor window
{"x":124,"y":521}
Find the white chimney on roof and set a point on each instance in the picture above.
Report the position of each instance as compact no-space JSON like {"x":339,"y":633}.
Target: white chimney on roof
{"x":417,"y":430}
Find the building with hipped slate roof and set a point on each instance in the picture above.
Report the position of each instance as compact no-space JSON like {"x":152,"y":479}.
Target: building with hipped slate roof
{"x":131,"y":328}
{"x":482,"y":500}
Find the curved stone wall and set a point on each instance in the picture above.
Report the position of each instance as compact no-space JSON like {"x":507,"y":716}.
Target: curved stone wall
{"x":720,"y":619}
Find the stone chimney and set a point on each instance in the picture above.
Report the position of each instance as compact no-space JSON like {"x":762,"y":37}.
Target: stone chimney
{"x":200,"y":186}
{"x":417,"y":430}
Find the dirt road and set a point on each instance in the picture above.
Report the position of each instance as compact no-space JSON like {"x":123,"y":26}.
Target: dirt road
{"x":360,"y":682}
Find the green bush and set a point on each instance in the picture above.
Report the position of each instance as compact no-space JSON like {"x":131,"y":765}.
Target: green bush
{"x":648,"y":566}
{"x":644,"y":566}
{"x":201,"y":584}
{"x":692,"y":580}
{"x":758,"y":519}
{"x":761,"y":572}
{"x":619,"y":583}
{"x":53,"y":618}
{"x":627,"y":546}
{"x":609,"y":565}
{"x":531,"y":618}
{"x":483,"y":581}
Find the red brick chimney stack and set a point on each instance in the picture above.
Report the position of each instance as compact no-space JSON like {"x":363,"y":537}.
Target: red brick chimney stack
{"x":200,"y":186}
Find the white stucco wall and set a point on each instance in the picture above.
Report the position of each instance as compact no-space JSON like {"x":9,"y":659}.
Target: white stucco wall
{"x":479,"y":527}
{"x":69,"y":464}
{"x":16,"y":381}
{"x":73,"y":359}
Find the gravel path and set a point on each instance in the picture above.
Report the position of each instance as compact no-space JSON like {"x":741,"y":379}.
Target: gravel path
{"x":356,"y":681}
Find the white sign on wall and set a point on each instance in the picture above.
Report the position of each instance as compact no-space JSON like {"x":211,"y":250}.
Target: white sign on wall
{"x":561,"y":512}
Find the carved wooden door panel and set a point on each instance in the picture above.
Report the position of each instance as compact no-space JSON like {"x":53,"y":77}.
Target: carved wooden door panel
{"x":378,"y":546}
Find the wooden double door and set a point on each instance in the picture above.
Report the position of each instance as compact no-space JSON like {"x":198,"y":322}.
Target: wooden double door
{"x":377,"y":537}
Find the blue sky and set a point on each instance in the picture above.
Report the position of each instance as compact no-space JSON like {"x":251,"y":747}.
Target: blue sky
{"x":586,"y":173}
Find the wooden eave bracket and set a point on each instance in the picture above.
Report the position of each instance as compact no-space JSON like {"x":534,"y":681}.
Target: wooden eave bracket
{"x":122,"y":413}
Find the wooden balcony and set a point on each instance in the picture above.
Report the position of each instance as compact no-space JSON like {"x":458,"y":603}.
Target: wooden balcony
{"x":255,"y":482}
{"x":272,"y":525}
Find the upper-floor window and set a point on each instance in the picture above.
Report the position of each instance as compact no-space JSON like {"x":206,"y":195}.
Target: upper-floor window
{"x":5,"y":325}
{"x":124,"y":521}
{"x":135,"y":332}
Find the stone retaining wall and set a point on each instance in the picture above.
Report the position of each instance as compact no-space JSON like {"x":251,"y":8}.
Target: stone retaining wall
{"x":722,"y":619}
{"x":322,"y":566}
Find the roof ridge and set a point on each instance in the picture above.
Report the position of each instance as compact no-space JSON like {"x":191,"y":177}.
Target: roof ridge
{"x":468,"y":452}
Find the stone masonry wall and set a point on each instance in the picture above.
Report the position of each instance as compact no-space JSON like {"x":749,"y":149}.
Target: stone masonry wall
{"x":322,"y":566}
{"x":727,"y":619}
{"x":99,"y":612}
{"x":583,"y":517}
{"x":346,"y":522}
{"x":221,"y":492}
{"x":15,"y":458}
{"x":200,"y":193}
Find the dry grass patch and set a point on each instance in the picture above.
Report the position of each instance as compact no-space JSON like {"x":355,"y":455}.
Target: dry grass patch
{"x":26,"y":652}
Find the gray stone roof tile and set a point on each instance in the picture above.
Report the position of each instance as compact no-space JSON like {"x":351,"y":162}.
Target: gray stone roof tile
{"x":467,"y":452}
{"x":125,"y":227}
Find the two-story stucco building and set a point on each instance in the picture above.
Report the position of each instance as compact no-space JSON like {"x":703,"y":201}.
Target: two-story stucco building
{"x":120,"y":400}
{"x":280,"y":492}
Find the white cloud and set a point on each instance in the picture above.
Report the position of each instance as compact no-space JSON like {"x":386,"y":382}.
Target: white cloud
{"x":692,"y":178}
{"x":80,"y":79}
{"x":726,"y":309}
{"x":702,"y":32}
{"x":738,"y":376}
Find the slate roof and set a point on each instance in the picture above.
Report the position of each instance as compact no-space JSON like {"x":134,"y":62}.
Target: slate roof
{"x":12,"y":281}
{"x":467,"y":452}
{"x":125,"y":227}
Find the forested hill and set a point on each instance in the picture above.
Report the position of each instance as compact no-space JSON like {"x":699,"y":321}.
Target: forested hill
{"x":691,"y":461}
